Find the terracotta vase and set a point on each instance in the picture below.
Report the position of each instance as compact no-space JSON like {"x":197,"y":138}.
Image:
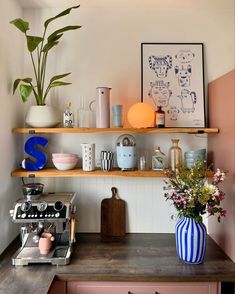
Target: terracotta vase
{"x":42,"y":116}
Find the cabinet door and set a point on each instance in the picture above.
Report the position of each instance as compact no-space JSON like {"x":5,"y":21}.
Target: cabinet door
{"x":141,"y":288}
{"x":58,"y":287}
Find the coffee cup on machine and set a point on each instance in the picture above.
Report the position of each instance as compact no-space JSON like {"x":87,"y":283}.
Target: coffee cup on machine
{"x":45,"y":243}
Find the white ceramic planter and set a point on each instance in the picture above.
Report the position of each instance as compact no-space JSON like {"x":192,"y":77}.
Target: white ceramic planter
{"x":42,"y":116}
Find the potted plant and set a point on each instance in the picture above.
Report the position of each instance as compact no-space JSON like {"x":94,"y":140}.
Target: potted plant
{"x":39,"y":48}
{"x":192,"y":195}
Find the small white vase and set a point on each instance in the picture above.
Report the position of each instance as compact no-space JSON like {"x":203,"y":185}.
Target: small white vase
{"x":88,"y":156}
{"x":42,"y":116}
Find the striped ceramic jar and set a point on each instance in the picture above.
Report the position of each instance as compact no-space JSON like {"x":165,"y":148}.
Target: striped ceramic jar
{"x":190,"y":240}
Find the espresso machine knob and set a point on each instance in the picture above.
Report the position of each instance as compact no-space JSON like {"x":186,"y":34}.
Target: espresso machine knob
{"x":25,"y":206}
{"x":58,"y":206}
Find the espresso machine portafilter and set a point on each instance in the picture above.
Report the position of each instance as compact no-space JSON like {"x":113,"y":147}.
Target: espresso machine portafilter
{"x":52,"y":213}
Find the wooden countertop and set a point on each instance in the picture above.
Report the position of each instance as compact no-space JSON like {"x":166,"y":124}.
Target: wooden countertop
{"x":138,"y":257}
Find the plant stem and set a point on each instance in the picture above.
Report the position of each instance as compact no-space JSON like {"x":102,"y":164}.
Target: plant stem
{"x":44,"y":73}
{"x":41,"y":67}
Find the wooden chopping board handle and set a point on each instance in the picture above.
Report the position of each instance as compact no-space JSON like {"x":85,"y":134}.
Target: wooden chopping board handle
{"x":114,"y":191}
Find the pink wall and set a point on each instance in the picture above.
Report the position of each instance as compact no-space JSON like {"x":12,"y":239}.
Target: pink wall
{"x":221,"y":148}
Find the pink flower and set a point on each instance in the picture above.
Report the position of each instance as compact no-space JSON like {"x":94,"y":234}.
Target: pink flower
{"x":223,"y":212}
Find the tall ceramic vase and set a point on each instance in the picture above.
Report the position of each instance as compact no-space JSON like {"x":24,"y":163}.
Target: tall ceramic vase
{"x":102,"y":107}
{"x":190,"y":240}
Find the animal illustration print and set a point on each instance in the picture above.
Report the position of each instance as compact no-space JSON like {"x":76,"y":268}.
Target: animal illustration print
{"x":183,"y":74}
{"x":173,"y":112}
{"x":188,"y":100}
{"x":160,"y":93}
{"x":160,"y":65}
{"x":185,"y":56}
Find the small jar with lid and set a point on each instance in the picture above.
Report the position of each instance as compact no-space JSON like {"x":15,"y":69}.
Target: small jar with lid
{"x":158,"y":159}
{"x":159,"y":118}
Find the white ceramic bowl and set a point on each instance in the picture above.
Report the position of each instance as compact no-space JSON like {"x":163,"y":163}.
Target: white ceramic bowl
{"x":65,"y":164}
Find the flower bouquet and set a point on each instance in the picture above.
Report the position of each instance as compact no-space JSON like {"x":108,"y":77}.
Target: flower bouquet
{"x":193,"y":196}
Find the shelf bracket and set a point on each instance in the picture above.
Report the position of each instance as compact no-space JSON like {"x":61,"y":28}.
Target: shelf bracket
{"x":31,"y":176}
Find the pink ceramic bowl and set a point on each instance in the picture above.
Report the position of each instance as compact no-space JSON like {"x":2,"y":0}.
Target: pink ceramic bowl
{"x":64,"y":155}
{"x":65,"y":164}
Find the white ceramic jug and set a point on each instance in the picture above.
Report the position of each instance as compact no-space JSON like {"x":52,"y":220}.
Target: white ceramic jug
{"x":88,"y":156}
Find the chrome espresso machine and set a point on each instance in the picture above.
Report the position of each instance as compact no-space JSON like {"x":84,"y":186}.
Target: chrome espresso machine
{"x":52,"y":213}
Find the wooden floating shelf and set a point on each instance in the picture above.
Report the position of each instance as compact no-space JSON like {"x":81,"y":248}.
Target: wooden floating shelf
{"x":78,"y":172}
{"x":114,"y":130}
{"x":52,"y":172}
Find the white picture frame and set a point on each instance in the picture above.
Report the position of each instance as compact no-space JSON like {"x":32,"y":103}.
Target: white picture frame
{"x":172,"y":76}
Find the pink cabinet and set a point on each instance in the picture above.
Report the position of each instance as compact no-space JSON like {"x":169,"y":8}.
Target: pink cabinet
{"x":142,"y":288}
{"x":58,"y":287}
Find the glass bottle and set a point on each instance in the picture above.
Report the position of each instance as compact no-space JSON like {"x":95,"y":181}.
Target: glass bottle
{"x":68,"y":117}
{"x":158,"y":159}
{"x":175,"y":154}
{"x":159,"y":118}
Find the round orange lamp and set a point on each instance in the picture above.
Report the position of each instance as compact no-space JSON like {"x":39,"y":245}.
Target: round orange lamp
{"x":141,"y":115}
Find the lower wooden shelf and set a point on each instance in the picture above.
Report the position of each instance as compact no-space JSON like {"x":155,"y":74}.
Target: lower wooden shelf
{"x":52,"y":172}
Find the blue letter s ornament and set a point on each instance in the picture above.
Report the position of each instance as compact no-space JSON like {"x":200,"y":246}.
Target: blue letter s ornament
{"x":39,"y":157}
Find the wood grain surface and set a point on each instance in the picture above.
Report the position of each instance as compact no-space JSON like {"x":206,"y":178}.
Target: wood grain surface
{"x":113,"y":130}
{"x":136,"y":257}
{"x":113,"y":216}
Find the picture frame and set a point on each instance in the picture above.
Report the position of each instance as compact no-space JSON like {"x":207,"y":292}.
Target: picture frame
{"x":172,"y":76}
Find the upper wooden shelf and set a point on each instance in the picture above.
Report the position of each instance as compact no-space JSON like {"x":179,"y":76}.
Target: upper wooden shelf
{"x":78,"y":172}
{"x":114,"y":130}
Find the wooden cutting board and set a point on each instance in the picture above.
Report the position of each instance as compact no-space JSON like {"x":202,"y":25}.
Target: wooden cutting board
{"x":113,"y":216}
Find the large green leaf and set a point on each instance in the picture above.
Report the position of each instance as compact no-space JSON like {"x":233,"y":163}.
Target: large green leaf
{"x":65,"y":12}
{"x":21,"y":24}
{"x":67,"y":28}
{"x":59,"y":83}
{"x":53,"y":42}
{"x":49,"y":45}
{"x":59,"y":77}
{"x":33,"y":42}
{"x":25,"y":91}
{"x":17,"y":81}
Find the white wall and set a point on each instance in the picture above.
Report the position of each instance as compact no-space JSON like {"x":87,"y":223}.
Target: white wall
{"x":11,"y":114}
{"x":106,"y":52}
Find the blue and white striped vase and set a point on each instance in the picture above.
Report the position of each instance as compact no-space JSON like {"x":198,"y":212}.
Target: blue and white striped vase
{"x":190,"y":240}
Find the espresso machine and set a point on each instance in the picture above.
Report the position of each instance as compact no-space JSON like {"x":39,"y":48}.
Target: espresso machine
{"x":50,"y":212}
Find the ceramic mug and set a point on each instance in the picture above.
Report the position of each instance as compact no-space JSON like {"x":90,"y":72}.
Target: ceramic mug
{"x":45,"y":243}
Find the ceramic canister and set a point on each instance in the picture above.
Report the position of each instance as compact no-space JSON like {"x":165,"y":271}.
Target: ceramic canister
{"x":102,"y":107}
{"x":88,"y":156}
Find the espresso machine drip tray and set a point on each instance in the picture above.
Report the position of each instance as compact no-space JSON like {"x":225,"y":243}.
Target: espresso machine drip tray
{"x":60,"y":255}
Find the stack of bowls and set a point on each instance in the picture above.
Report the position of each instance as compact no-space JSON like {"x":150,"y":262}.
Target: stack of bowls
{"x":64,"y":161}
{"x":193,"y":155}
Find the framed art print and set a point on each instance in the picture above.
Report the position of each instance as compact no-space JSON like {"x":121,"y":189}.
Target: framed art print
{"x":172,"y":76}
